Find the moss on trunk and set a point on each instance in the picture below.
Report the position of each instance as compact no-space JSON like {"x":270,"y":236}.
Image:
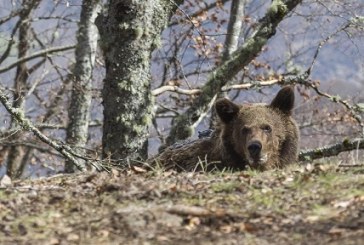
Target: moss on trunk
{"x":129,"y":33}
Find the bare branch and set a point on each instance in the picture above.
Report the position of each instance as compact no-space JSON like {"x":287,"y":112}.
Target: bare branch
{"x":252,"y":84}
{"x":199,"y":12}
{"x":33,"y":145}
{"x":176,"y":89}
{"x":195,"y":91}
{"x":323,"y":42}
{"x":283,"y":80}
{"x":36,"y":55}
{"x":303,"y":80}
{"x":7,"y":18}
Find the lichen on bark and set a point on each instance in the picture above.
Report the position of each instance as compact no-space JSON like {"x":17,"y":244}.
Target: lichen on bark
{"x":79,"y":109}
{"x":129,"y":33}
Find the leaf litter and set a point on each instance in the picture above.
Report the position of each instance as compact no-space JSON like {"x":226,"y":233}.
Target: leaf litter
{"x":312,"y":204}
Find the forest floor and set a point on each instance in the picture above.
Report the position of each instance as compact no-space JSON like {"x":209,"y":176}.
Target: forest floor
{"x":314,"y":204}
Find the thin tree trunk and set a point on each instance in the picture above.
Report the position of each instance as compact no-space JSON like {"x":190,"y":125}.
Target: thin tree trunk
{"x":79,"y":109}
{"x":234,"y":28}
{"x":129,"y":33}
{"x":16,"y":153}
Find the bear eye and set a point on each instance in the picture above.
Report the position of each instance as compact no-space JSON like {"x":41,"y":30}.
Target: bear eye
{"x":267,"y":128}
{"x":245,"y":130}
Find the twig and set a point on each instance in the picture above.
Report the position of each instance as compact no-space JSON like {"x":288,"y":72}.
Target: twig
{"x":323,"y":42}
{"x":303,"y":80}
{"x":200,"y":11}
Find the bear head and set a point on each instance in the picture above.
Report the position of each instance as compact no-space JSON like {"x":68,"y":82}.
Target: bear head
{"x":257,"y":134}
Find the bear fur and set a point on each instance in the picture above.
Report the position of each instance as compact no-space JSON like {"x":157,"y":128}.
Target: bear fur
{"x":256,"y":135}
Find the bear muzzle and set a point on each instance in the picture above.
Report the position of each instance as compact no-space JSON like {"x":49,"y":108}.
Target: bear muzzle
{"x":256,"y":157}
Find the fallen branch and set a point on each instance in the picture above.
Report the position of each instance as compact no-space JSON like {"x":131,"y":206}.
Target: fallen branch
{"x":195,"y":211}
{"x":331,"y":150}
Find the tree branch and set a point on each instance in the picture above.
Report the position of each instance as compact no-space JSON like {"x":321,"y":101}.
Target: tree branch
{"x":176,"y":89}
{"x":323,"y":42}
{"x":36,"y":55}
{"x":195,"y":91}
{"x":283,"y":80}
{"x":199,"y":12}
{"x":331,"y":150}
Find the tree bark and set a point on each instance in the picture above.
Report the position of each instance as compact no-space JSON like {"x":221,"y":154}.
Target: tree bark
{"x":17,"y":153}
{"x":234,"y":28}
{"x":184,"y":124}
{"x":129,"y":33}
{"x":79,"y":109}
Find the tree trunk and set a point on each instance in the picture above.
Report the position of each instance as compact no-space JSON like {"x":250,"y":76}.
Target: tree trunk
{"x":234,"y":28}
{"x":129,"y":33}
{"x":79,"y":109}
{"x":17,"y":153}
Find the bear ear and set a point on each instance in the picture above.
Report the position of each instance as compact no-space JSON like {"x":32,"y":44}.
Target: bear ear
{"x":226,"y":109}
{"x":284,"y":100}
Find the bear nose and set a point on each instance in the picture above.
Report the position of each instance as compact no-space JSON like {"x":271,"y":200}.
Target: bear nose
{"x":254,"y":149}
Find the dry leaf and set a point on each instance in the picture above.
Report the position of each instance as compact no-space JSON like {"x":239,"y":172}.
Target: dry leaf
{"x":192,"y":223}
{"x":336,"y":231}
{"x":73,"y":237}
{"x":227,"y":229}
{"x":247,"y":227}
{"x":343,"y":204}
{"x":5,"y":181}
{"x":103,"y":233}
{"x":138,"y":169}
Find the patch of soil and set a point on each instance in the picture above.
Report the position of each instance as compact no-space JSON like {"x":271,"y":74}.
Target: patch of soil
{"x":316,"y":204}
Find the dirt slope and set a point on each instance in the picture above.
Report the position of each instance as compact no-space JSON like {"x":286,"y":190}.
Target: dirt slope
{"x":300,"y":205}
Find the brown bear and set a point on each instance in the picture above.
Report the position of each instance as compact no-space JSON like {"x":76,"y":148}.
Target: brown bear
{"x":257,"y":135}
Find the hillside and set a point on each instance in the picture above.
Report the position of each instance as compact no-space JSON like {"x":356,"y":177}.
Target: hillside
{"x":315,"y":204}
